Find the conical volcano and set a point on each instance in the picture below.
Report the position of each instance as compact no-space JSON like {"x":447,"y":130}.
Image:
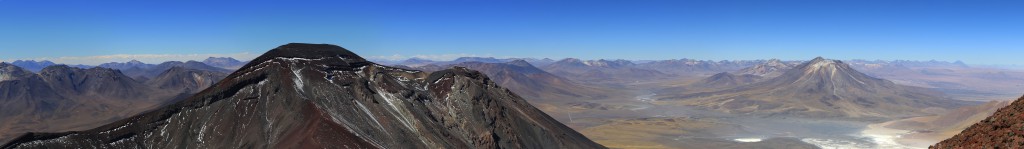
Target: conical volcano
{"x":324,"y":96}
{"x":823,"y":88}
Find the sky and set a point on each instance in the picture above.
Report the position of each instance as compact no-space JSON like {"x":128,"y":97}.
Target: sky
{"x":97,"y":31}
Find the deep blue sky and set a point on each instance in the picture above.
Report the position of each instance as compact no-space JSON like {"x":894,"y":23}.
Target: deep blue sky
{"x":976,"y":31}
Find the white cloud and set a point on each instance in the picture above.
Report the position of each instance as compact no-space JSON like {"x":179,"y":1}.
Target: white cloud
{"x":435,"y":57}
{"x":146,"y":58}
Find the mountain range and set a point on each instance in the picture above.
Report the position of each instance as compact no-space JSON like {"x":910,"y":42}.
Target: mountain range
{"x":822,"y":88}
{"x":61,"y":97}
{"x":771,"y":68}
{"x":318,"y":95}
{"x":143,"y":71}
{"x":36,"y":66}
{"x":225,"y":62}
{"x":600,"y":70}
{"x":31,"y":65}
{"x":692,"y":66}
{"x":528,"y":81}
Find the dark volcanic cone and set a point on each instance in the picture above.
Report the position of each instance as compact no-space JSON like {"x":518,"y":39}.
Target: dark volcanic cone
{"x":318,"y":96}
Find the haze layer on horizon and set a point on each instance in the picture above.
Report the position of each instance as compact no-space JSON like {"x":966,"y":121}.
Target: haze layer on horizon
{"x":977,"y":32}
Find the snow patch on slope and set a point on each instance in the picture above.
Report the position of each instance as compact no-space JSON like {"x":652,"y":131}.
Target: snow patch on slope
{"x":299,"y":84}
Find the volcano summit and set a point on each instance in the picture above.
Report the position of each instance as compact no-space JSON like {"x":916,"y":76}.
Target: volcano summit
{"x":319,"y":95}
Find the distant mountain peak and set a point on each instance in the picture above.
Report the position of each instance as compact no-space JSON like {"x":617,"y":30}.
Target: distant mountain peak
{"x":823,"y":62}
{"x":126,"y":65}
{"x":772,"y":67}
{"x":571,"y":60}
{"x":519,"y":62}
{"x":827,"y":65}
{"x":32,"y":65}
{"x":608,"y":63}
{"x":33,"y":61}
{"x":819,"y":58}
{"x":135,"y":62}
{"x":224,"y":62}
{"x":417,"y":60}
{"x":220,"y":59}
{"x":9,"y":71}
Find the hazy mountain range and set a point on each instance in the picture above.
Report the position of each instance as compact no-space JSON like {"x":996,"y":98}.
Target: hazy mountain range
{"x":528,"y":81}
{"x":220,"y":62}
{"x":61,"y":98}
{"x":822,"y":88}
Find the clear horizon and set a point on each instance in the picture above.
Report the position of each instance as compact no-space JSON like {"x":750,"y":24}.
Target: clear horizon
{"x":980,"y":33}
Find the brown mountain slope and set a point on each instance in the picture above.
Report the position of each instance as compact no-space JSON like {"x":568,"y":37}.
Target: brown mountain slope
{"x":318,"y":95}
{"x":1004,"y":129}
{"x":928,"y":130}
